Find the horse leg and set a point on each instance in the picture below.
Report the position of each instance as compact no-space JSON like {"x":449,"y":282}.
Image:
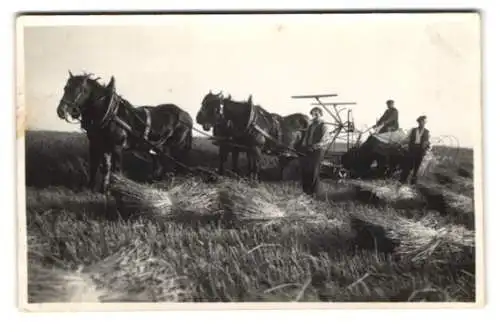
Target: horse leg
{"x":117,"y":158}
{"x":283,"y":162}
{"x":223,"y":152}
{"x":235,"y":155}
{"x":258,"y":164}
{"x":95,"y":155}
{"x":107,"y":161}
{"x":180,"y":146}
{"x":255,"y":156}
{"x":157,"y":167}
{"x":167,"y":160}
{"x":250,"y":166}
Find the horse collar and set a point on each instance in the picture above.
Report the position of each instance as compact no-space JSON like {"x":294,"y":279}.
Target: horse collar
{"x":111,"y":111}
{"x":147,"y":126}
{"x":252,"y":116}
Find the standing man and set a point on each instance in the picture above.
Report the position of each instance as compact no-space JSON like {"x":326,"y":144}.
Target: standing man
{"x":389,"y":120}
{"x":313,"y":146}
{"x":418,"y":146}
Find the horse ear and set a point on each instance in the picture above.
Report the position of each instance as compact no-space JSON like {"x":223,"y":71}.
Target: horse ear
{"x":70,"y":73}
{"x":111,"y":84}
{"x":250,"y":99}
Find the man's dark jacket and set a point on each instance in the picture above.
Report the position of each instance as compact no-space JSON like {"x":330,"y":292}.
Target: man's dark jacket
{"x":390,"y":118}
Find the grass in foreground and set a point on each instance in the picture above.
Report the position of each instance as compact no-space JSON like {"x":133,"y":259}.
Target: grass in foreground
{"x":341,"y":249}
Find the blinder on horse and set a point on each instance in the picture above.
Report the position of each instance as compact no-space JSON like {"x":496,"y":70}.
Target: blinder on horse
{"x":111,"y":123}
{"x":76,"y":105}
{"x":73,"y":104}
{"x":211,"y":111}
{"x":252,"y":127}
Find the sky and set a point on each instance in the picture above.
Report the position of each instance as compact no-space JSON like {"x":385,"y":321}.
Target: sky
{"x":430,"y":64}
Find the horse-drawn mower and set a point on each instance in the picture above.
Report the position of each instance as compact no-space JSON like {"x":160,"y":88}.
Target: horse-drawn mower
{"x":347,"y":155}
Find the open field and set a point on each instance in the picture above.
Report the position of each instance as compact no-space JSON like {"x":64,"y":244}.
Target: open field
{"x":361,"y":241}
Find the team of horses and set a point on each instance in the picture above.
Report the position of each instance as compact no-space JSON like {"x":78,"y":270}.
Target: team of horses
{"x":164,"y":132}
{"x":113,"y":125}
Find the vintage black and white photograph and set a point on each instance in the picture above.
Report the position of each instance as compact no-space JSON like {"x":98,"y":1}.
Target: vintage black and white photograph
{"x":309,"y":158}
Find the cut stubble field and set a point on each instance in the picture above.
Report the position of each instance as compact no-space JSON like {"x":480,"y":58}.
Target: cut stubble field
{"x":231,"y":241}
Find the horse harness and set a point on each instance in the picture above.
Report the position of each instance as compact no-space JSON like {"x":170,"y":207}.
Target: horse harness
{"x":112,"y":113}
{"x":253,"y":128}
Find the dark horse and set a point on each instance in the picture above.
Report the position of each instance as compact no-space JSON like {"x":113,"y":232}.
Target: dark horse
{"x":102,"y":114}
{"x":389,"y":158}
{"x":252,"y":129}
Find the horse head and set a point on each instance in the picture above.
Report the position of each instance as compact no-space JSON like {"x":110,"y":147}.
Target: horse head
{"x":78,"y":91}
{"x":211,"y":110}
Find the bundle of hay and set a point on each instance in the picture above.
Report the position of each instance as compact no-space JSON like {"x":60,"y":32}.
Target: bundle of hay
{"x":384,"y":192}
{"x":243,"y":202}
{"x":135,"y":274}
{"x":307,"y":209}
{"x":50,"y":285}
{"x":137,"y":199}
{"x":464,"y":185}
{"x":190,"y":198}
{"x":195,"y":197}
{"x":423,"y":241}
{"x":458,"y":201}
{"x":427,"y":238}
{"x":449,"y":202}
{"x":387,"y":190}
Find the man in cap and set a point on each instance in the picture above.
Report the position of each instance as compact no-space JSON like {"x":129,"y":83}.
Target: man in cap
{"x":418,"y":145}
{"x":313,"y":146}
{"x":389,"y":120}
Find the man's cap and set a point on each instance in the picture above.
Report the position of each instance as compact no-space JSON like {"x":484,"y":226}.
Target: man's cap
{"x":390,"y":101}
{"x":316,"y":109}
{"x":422,"y":117}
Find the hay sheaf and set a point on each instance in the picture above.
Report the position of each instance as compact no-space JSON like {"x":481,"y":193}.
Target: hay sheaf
{"x":196,"y":197}
{"x":427,"y":238}
{"x":191,"y":197}
{"x":137,"y":199}
{"x":272,"y":204}
{"x":386,"y":192}
{"x":446,"y":201}
{"x":243,"y":202}
{"x":52,"y":285}
{"x":423,"y":239}
{"x":136,"y":274}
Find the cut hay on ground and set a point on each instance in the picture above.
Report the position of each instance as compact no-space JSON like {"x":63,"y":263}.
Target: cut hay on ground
{"x":385,"y":192}
{"x":190,"y":197}
{"x":132,"y":274}
{"x":428,"y":238}
{"x":422,"y":240}
{"x":195,"y":197}
{"x":136,"y":199}
{"x":242,"y":202}
{"x":50,"y":285}
{"x":272,"y":204}
{"x":448,"y":202}
{"x":135,"y":274}
{"x":306,"y":209}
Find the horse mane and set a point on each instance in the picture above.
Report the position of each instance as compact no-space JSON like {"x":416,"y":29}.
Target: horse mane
{"x":89,"y":76}
{"x":96,"y":81}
